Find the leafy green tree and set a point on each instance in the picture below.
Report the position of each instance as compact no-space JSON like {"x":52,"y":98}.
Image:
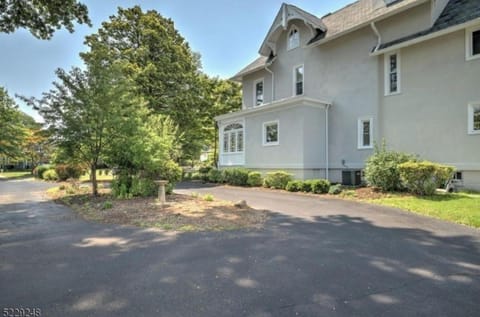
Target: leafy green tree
{"x":159,"y":61}
{"x":41,"y":17}
{"x":86,"y":112}
{"x":13,"y":130}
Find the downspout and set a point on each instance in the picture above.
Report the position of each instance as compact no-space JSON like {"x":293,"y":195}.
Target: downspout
{"x":327,"y":107}
{"x":273,"y":81}
{"x":379,"y":36}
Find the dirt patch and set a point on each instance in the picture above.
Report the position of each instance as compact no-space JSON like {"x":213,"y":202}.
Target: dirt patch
{"x":181,"y":213}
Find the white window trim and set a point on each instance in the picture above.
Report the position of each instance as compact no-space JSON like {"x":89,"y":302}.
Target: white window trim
{"x":360,"y":122}
{"x":468,"y":43}
{"x":222,"y":135}
{"x":295,"y":80}
{"x":260,"y":80}
{"x":471,"y":107}
{"x":387,"y":73}
{"x":264,"y":136}
{"x":293,"y":27}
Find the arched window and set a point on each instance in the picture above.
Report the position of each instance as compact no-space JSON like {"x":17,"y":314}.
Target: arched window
{"x":293,"y":38}
{"x":233,"y":138}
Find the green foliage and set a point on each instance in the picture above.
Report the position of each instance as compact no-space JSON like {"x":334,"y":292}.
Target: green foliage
{"x":421,"y":178}
{"x":235,"y":176}
{"x":50,"y":175}
{"x":254,"y":179}
{"x":66,"y":171}
{"x":319,"y":186}
{"x":143,"y":187}
{"x":205,"y":169}
{"x":107,"y":205}
{"x":41,"y":17}
{"x":12,"y":131}
{"x":215,"y":176}
{"x":39,"y":170}
{"x":306,"y":186}
{"x":381,"y":169}
{"x":277,"y":180}
{"x":335,"y":189}
{"x":208,"y":197}
{"x":294,"y":186}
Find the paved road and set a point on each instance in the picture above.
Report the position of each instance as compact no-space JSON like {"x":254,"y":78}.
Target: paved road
{"x":334,"y":259}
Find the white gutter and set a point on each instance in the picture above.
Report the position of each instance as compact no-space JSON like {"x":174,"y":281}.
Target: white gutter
{"x":379,"y":36}
{"x":327,"y":106}
{"x":427,"y":37}
{"x":273,"y":78}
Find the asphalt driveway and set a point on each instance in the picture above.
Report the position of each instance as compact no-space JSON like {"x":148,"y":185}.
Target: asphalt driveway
{"x":315,"y":257}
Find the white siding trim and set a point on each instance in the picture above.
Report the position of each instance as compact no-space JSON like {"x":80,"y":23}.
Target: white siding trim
{"x":264,"y":130}
{"x":360,"y":122}
{"x":468,"y":43}
{"x":386,"y":73}
{"x":259,"y":80}
{"x":471,"y":107}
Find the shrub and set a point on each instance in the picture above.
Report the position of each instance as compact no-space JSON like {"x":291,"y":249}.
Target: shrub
{"x":254,"y":179}
{"x":143,"y":187}
{"x":196,"y":176}
{"x":205,"y":169}
{"x":170,"y":171}
{"x":235,"y":176}
{"x":215,"y":176}
{"x":421,"y":178}
{"x":208,"y":197}
{"x":66,"y":171}
{"x":50,"y":175}
{"x":294,"y":186}
{"x":320,"y":186}
{"x":381,"y":168}
{"x":307,"y":186}
{"x":39,"y":170}
{"x":335,"y":189}
{"x":277,"y":180}
{"x":107,"y":205}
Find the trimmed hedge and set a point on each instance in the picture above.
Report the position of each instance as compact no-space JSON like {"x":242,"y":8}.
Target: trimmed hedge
{"x":422,"y":178}
{"x":319,"y":186}
{"x":39,"y":170}
{"x":335,"y":189}
{"x":66,"y":171}
{"x":294,"y":186}
{"x":215,"y":176}
{"x":235,"y":176}
{"x":254,"y":179}
{"x":277,"y":180}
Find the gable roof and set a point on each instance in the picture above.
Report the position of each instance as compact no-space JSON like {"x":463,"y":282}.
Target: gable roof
{"x":254,"y":66}
{"x":455,"y":13}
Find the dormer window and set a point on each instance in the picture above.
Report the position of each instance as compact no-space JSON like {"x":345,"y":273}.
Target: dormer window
{"x":293,"y":38}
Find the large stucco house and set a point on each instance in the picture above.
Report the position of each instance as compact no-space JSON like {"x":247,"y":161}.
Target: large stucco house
{"x":324,"y":89}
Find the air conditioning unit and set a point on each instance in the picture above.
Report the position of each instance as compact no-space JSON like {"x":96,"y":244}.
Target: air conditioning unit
{"x":352,"y":177}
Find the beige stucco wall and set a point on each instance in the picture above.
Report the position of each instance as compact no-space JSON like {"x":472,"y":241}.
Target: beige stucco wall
{"x":429,"y":116}
{"x":406,"y":23}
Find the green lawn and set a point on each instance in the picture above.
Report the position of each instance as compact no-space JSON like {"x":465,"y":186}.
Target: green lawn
{"x":15,"y":175}
{"x":463,"y":208}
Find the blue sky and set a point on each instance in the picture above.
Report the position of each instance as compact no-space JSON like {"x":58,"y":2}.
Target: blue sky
{"x":226,"y":33}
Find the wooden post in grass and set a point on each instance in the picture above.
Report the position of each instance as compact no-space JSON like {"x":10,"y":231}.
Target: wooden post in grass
{"x":161,"y":191}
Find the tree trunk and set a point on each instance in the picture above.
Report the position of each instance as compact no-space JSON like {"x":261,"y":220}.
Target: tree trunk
{"x":93,"y":177}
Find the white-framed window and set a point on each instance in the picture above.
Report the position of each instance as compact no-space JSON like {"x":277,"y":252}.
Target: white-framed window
{"x":365,"y":133}
{"x":298,"y":80}
{"x":474,"y":118}
{"x":293,"y":40}
{"x":258,"y":92}
{"x":473,"y":43}
{"x":271,"y":133}
{"x":392,"y":73}
{"x":233,"y":140}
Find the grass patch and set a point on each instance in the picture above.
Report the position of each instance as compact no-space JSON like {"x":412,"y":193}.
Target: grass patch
{"x":16,"y":175}
{"x":462,"y":208}
{"x":101,"y":176}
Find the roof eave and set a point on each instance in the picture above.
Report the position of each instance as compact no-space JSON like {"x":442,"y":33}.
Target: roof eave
{"x":367,"y":23}
{"x":427,"y":37}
